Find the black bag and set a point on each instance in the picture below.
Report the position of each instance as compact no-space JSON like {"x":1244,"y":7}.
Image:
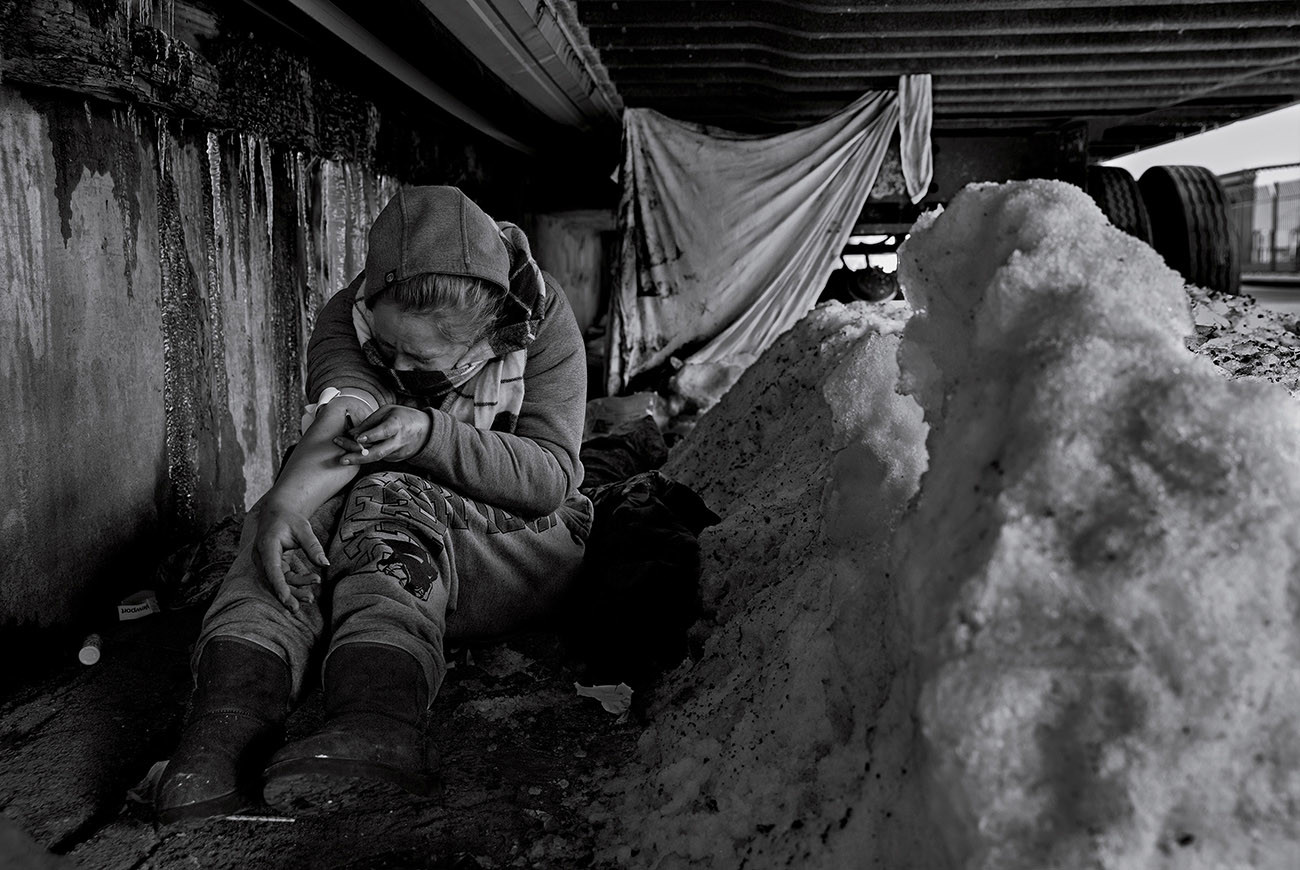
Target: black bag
{"x":638,"y":593}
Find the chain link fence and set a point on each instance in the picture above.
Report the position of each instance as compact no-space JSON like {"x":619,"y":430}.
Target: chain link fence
{"x":1266,"y":222}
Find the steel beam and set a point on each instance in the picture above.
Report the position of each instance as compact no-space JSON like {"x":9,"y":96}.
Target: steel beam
{"x":669,"y":16}
{"x":704,"y":51}
{"x":374,"y":50}
{"x":649,"y":65}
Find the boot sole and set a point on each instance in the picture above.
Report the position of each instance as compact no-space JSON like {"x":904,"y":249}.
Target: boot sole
{"x":322,"y":785}
{"x":211,"y":808}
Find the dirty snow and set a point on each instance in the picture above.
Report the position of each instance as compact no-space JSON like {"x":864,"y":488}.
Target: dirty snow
{"x":1074,"y":646}
{"x":765,"y":747}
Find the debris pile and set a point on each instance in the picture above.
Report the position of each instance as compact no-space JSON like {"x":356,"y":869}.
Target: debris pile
{"x":1246,"y":339}
{"x":1072,"y":646}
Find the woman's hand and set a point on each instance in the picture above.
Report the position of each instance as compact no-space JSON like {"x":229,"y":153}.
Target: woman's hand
{"x":392,"y":433}
{"x":302,"y":575}
{"x":280,"y":532}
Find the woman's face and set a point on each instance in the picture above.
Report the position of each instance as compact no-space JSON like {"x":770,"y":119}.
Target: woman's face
{"x":411,"y":341}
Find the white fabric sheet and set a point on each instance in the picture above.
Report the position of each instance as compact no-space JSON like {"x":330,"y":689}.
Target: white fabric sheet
{"x":728,"y":239}
{"x":914,"y":104}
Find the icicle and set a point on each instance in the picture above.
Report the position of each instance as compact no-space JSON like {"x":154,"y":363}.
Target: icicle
{"x":372,"y":128}
{"x":219,"y":228}
{"x":268,"y":184}
{"x":247,"y":144}
{"x":215,"y":248}
{"x":327,"y":222}
{"x":311,"y":244}
{"x":347,"y":220}
{"x":299,"y":181}
{"x":303,"y":236}
{"x":160,"y":142}
{"x":245,"y":196}
{"x":362,"y":211}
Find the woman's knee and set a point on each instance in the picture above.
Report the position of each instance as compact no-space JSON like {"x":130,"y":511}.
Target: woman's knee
{"x":390,"y":479}
{"x":252,"y":604}
{"x":400,"y":488}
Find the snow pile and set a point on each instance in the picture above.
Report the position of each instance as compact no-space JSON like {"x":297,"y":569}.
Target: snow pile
{"x":1075,"y":646}
{"x":1100,"y":571}
{"x":764,"y":749}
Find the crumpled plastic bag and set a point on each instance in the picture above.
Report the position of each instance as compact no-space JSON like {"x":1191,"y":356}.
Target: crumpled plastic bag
{"x":615,"y":699}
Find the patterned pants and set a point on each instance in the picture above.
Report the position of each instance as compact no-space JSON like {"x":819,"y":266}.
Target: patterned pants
{"x":410,"y":561}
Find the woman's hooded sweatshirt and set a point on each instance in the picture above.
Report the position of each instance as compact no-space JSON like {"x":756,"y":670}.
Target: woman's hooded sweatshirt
{"x":523,"y":454}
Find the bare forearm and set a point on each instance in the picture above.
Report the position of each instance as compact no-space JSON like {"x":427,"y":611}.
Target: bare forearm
{"x":313,"y":472}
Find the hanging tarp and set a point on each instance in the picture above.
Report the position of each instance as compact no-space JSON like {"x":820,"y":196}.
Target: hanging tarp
{"x":728,"y":239}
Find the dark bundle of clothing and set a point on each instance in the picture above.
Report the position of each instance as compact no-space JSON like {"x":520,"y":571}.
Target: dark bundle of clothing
{"x":638,"y":593}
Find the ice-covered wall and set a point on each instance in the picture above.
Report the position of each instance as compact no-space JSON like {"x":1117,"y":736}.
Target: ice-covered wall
{"x":158,"y":283}
{"x":181,"y":184}
{"x":1073,"y":646}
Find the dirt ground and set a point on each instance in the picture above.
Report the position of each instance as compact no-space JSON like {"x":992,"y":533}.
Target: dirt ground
{"x":524,"y":762}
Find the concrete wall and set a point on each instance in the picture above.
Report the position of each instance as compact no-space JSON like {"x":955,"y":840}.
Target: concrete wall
{"x":157,"y":284}
{"x":81,"y":383}
{"x":571,"y":246}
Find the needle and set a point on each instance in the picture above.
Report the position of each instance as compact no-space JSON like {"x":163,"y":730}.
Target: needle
{"x":349,"y":426}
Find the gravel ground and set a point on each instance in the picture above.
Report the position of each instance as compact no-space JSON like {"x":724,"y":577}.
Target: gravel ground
{"x":524,"y":763}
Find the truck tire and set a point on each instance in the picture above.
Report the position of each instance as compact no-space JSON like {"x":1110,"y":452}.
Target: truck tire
{"x":1116,"y":192}
{"x":1189,"y":225}
{"x":872,"y":285}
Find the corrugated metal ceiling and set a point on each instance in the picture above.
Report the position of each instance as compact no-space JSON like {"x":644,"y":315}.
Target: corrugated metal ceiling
{"x":1131,"y":74}
{"x":1136,"y":72}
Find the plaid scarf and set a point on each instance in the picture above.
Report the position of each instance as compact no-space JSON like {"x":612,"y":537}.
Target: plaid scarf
{"x":486,"y":387}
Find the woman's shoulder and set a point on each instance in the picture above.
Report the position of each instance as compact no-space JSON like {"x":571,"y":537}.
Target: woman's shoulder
{"x":556,"y":299}
{"x":559,"y":328}
{"x":557,"y":311}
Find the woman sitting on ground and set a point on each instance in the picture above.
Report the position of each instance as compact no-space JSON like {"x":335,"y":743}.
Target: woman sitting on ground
{"x":464,"y":369}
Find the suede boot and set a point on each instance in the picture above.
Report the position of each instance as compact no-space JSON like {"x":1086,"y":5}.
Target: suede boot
{"x":241,"y":699}
{"x":373,"y":744}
